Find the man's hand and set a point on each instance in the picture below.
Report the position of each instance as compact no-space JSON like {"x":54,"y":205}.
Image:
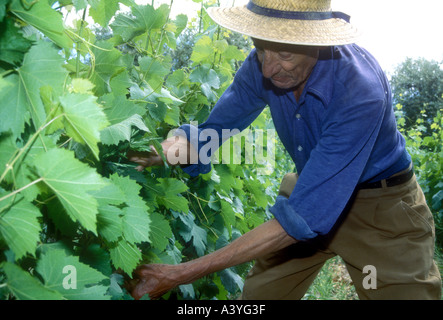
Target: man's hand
{"x":177,"y":151}
{"x":154,"y":280}
{"x":157,"y":279}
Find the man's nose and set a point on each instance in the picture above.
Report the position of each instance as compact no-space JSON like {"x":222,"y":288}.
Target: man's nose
{"x":270,"y":64}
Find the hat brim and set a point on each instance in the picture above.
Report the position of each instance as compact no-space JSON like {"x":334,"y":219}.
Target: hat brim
{"x":328,"y":32}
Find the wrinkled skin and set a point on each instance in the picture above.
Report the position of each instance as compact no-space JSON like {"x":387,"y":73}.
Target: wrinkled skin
{"x":152,"y":279}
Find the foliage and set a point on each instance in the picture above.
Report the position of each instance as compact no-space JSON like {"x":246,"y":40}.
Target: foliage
{"x":426,"y":148}
{"x":418,"y":85}
{"x":75,"y":99}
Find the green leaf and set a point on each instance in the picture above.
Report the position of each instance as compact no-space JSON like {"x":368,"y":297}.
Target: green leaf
{"x":42,"y":66}
{"x":3,"y":4}
{"x":154,"y":71}
{"x":80,"y":4}
{"x":437,"y":200}
{"x":122,"y":131}
{"x":143,"y":19}
{"x":7,"y":151}
{"x":232,"y":281}
{"x":98,"y":292}
{"x":70,"y":180}
{"x":25,"y":287}
{"x":257,"y":191}
{"x":168,"y":190}
{"x":19,"y":225}
{"x":40,"y":15}
{"x":203,"y":50}
{"x":13,"y":45}
{"x":103,"y":10}
{"x":136,"y":221}
{"x":160,"y":231}
{"x":117,"y":108}
{"x":14,"y":112}
{"x":227,"y":179}
{"x":181,"y":21}
{"x":107,"y":65}
{"x":192,"y":231}
{"x":84,"y":119}
{"x":208,"y":79}
{"x":109,"y":222}
{"x":110,"y":194}
{"x":228,"y":214}
{"x":98,"y":258}
{"x":23,"y":172}
{"x":125,"y":255}
{"x":66,"y":274}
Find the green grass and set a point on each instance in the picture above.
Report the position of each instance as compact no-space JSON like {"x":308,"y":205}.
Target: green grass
{"x":332,"y":283}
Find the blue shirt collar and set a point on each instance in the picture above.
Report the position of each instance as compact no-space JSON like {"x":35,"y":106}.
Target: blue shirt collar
{"x":321,"y":80}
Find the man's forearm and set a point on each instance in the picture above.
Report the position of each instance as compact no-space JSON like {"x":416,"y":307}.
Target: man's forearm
{"x":266,"y":238}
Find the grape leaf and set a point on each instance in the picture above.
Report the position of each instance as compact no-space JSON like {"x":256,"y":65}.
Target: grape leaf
{"x":20,"y":93}
{"x":203,"y":50}
{"x":70,"y":180}
{"x":13,"y":45}
{"x":122,"y":131}
{"x":136,"y":221}
{"x":117,"y":108}
{"x":160,"y":231}
{"x":167,"y":194}
{"x":143,"y":19}
{"x":228,"y":215}
{"x":26,"y":287}
{"x":231,"y":280}
{"x":23,"y":172}
{"x":19,"y":225}
{"x":98,"y":292}
{"x":52,"y":266}
{"x":107,"y":64}
{"x":257,"y":191}
{"x":40,"y":15}
{"x":189,"y":230}
{"x":125,"y":255}
{"x":84,"y":119}
{"x":103,"y":10}
{"x":154,"y":71}
{"x":136,"y":225}
{"x":109,"y":222}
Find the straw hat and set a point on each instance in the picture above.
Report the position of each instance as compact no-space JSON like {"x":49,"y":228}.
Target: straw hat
{"x":302,"y":22}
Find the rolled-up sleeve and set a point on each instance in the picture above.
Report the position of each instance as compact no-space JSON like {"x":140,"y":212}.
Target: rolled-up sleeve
{"x":331,"y":174}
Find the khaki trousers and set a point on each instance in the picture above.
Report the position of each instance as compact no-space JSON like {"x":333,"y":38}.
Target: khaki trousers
{"x":387,"y":234}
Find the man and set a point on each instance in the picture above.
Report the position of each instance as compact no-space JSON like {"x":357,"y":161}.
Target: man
{"x":354,"y":195}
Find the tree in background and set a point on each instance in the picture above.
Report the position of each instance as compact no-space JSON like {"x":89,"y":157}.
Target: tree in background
{"x":417,"y":85}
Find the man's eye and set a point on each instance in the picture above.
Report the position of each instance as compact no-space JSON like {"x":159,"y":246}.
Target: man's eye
{"x":285,"y":55}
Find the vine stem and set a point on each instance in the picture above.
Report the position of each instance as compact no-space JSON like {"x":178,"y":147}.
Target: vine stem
{"x":10,"y":165}
{"x":77,"y":64}
{"x":21,"y":189}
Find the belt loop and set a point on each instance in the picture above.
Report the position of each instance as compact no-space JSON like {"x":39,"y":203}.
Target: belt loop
{"x":383,"y":183}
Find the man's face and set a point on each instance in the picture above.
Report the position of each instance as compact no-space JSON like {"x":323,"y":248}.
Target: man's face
{"x":286,"y":65}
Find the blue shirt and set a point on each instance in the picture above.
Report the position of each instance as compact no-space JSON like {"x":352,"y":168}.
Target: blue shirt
{"x":341,"y":132}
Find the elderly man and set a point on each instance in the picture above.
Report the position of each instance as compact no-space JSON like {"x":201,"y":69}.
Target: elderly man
{"x":354,"y":194}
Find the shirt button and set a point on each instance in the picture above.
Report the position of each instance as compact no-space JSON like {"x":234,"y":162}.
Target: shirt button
{"x":298,"y":116}
{"x":300,"y":148}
